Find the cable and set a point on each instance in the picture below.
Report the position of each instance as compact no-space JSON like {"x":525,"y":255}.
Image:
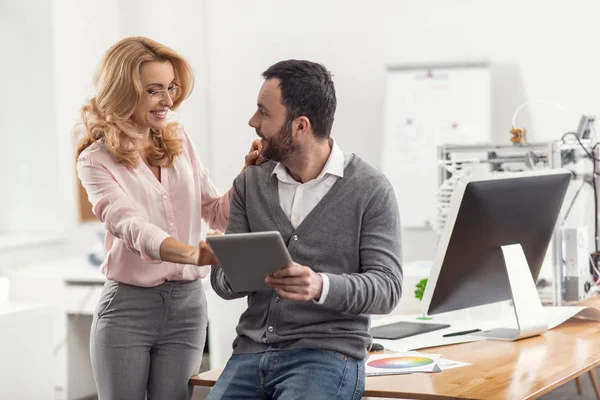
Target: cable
{"x":514,"y":118}
{"x":590,"y":155}
{"x":595,"y":270}
{"x":594,"y":160}
{"x":573,"y":201}
{"x":519,"y":135}
{"x":594,"y":184}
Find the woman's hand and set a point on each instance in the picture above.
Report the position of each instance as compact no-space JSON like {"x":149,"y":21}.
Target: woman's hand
{"x":205,"y":253}
{"x":254,"y":156}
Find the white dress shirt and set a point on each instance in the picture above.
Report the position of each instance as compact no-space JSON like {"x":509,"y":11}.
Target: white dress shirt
{"x":297,"y":199}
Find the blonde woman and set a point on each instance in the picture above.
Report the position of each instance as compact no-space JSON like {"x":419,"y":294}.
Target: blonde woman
{"x":147,"y":185}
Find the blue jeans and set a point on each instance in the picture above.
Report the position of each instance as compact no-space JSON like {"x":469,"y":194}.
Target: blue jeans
{"x":291,"y":374}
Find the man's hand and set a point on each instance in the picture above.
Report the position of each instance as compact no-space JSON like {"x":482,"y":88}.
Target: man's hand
{"x":254,"y":157}
{"x":296,"y":282}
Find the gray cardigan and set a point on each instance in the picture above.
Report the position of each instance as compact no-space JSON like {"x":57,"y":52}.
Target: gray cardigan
{"x":352,"y":235}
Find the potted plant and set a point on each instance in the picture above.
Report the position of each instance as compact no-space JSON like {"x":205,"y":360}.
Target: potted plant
{"x":419,"y":290}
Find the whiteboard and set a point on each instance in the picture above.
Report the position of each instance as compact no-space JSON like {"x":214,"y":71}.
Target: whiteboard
{"x":426,"y":106}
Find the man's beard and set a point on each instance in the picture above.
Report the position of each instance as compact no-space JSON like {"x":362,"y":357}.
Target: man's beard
{"x":281,"y":146}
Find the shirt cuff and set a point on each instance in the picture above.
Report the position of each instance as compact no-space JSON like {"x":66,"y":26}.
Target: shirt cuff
{"x":324,"y":290}
{"x":152,"y":253}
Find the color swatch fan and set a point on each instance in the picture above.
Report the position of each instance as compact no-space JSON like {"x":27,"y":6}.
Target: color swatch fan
{"x":402,"y":363}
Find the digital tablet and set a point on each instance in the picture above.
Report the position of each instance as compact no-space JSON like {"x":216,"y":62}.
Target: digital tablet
{"x":404,"y":329}
{"x":247,"y":258}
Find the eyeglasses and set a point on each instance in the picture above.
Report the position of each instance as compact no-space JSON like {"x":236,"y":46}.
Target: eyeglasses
{"x":158,"y":95}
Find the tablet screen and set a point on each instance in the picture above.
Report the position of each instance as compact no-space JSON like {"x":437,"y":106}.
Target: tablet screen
{"x":247,"y":258}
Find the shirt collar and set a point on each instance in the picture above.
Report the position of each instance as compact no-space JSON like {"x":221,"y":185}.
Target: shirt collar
{"x":333,"y":166}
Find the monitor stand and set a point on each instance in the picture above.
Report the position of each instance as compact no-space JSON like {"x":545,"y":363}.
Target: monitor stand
{"x":531,"y":320}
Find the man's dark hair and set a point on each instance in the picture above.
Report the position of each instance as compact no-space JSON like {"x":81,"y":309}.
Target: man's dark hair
{"x":306,"y":90}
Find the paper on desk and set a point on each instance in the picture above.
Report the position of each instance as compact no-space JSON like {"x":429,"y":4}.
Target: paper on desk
{"x":401,"y":363}
{"x":445,"y":364}
{"x":558,"y":315}
{"x":424,"y":341}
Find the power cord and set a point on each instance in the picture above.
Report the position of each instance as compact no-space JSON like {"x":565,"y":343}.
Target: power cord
{"x":573,"y":200}
{"x":590,"y":155}
{"x":595,"y":186}
{"x":519,"y":135}
{"x":594,"y":183}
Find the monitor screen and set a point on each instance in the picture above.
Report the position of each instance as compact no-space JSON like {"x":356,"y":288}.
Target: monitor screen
{"x":487,"y":213}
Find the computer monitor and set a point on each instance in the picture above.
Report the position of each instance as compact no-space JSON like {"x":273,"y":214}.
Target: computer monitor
{"x":493,"y":245}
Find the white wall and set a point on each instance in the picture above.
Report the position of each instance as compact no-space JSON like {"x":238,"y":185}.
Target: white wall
{"x":83,"y":30}
{"x":538,"y":50}
{"x":181,"y":26}
{"x":28,"y":163}
{"x":70,"y":37}
{"x":535,"y":55}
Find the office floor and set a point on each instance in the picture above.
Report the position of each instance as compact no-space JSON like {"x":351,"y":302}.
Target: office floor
{"x":568,"y":391}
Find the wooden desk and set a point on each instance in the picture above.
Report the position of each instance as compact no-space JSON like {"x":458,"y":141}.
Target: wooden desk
{"x":525,"y":369}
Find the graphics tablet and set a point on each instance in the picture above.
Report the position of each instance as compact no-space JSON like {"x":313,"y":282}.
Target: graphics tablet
{"x":403,"y":329}
{"x":247,"y":258}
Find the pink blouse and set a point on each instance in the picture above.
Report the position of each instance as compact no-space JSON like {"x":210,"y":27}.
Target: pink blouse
{"x":139,"y":212}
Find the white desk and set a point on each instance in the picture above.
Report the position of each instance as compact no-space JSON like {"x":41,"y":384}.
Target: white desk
{"x":26,"y":348}
{"x":73,"y":289}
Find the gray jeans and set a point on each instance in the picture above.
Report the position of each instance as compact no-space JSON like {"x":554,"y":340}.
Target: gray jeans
{"x":148,"y":341}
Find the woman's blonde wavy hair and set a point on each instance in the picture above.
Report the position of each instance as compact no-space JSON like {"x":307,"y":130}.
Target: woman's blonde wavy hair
{"x":119,"y":90}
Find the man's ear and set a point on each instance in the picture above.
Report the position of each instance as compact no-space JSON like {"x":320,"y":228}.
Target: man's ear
{"x":303,"y":126}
